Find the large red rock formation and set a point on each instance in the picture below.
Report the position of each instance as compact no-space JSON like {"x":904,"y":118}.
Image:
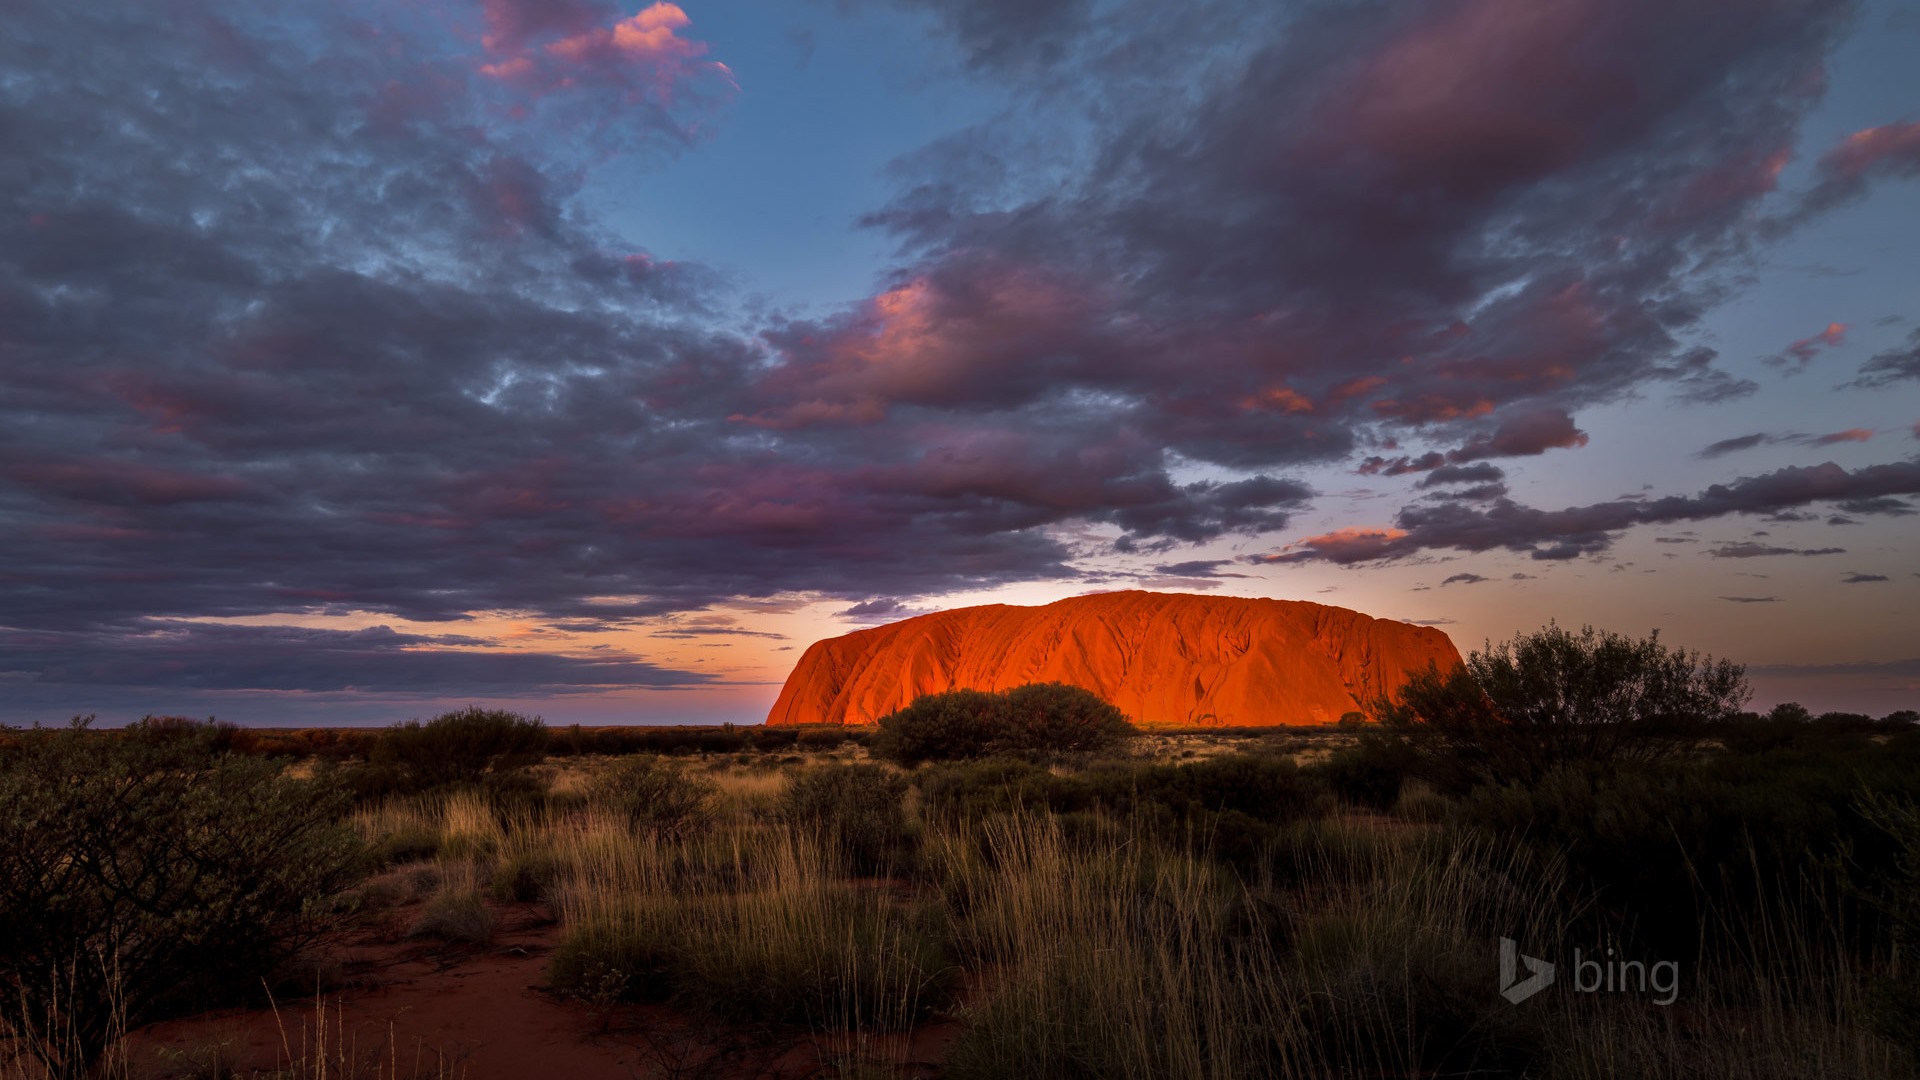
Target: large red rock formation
{"x":1163,"y":658}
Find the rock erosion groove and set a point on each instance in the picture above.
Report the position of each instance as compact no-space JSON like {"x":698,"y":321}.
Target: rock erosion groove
{"x":1162,"y":658}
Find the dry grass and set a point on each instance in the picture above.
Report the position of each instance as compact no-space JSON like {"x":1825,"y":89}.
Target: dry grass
{"x":1088,"y":947}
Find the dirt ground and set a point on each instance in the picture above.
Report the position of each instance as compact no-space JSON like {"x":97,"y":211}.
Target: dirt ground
{"x":411,"y":1007}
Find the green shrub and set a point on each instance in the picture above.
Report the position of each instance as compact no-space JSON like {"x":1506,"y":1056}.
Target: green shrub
{"x":1043,"y":719}
{"x":942,"y":727}
{"x":856,"y":809}
{"x":1054,"y":718}
{"x":471,"y":746}
{"x":656,"y":797}
{"x":142,"y":873}
{"x":1518,"y":709}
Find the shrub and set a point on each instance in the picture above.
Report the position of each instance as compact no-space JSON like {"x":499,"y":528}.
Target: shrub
{"x":141,"y":873}
{"x":457,"y":913}
{"x":1042,"y":719}
{"x":464,"y":747}
{"x":1054,"y":718}
{"x":942,"y":727}
{"x":1518,"y":709}
{"x":656,"y":797}
{"x":1368,"y":775}
{"x":1681,"y":852}
{"x":1892,"y":887}
{"x":854,"y":809}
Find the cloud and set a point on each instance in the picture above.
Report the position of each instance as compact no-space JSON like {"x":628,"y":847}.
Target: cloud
{"x":1198,"y":568}
{"x":1481,"y":473}
{"x":1751,"y":550}
{"x":565,"y":50}
{"x":1843,"y":172}
{"x":1892,"y":366}
{"x":306,"y":309}
{"x":1851,"y":435}
{"x":212,"y":656}
{"x":1464,"y":579}
{"x":1752,"y":599}
{"x":1861,"y":579}
{"x":880,"y":610}
{"x":1585,"y":530}
{"x":1798,"y":355}
{"x":1733,"y":445}
{"x":1525,"y":434}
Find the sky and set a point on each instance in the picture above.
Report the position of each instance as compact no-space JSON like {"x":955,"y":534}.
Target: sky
{"x":360,"y":360}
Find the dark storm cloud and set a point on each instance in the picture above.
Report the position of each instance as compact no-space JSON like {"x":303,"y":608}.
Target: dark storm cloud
{"x":1586,"y":530}
{"x":202,"y":656}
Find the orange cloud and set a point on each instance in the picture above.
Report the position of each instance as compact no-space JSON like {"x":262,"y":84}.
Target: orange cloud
{"x":642,"y":57}
{"x":1801,"y":353}
{"x":1862,"y":150}
{"x":1340,"y":546}
{"x":1284,"y":398}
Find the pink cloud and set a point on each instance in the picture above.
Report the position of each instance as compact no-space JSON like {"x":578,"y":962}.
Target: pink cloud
{"x":1801,"y":353}
{"x":1896,"y":146}
{"x":1340,"y":546}
{"x":957,"y":337}
{"x":641,"y":58}
{"x":1847,"y":436}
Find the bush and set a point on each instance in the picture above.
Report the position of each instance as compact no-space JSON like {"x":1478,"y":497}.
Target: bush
{"x":1891,"y":886}
{"x":1043,"y":719}
{"x":1054,"y":718}
{"x":855,"y":809}
{"x":656,"y":797}
{"x":942,"y":727}
{"x":1520,"y":708}
{"x":1677,"y":853}
{"x":1369,"y":775}
{"x":457,"y":914}
{"x":465,"y":747}
{"x":141,"y":873}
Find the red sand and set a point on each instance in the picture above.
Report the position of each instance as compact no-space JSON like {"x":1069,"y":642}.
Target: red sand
{"x":414,"y":1007}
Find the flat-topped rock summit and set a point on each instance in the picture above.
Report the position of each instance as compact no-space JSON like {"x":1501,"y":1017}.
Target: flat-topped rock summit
{"x":1162,"y":658}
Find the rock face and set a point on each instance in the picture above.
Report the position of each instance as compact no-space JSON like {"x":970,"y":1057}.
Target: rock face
{"x":1162,"y":658}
